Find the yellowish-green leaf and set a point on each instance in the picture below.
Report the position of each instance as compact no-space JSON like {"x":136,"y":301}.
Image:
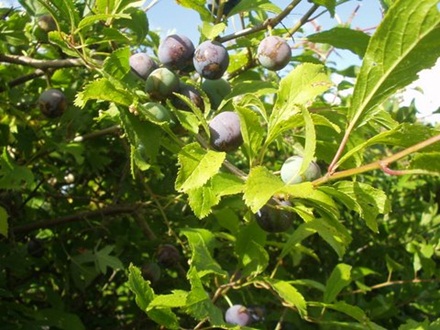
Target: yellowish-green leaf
{"x":197,"y":166}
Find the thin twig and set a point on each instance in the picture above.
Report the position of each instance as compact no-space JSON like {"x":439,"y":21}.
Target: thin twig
{"x":108,"y":211}
{"x":41,"y":64}
{"x":390,"y":283}
{"x":23,"y":79}
{"x":270,"y":22}
{"x":380,"y":164}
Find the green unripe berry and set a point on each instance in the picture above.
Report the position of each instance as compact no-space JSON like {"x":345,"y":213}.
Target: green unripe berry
{"x":290,"y":171}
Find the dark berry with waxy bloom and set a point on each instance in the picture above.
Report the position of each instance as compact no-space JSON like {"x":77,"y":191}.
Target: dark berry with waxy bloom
{"x":151,"y":272}
{"x":142,"y":65}
{"x":274,"y":53}
{"x":238,"y":315}
{"x":168,"y":255}
{"x":47,"y":23}
{"x":176,"y":51}
{"x":52,"y":103}
{"x":35,"y":248}
{"x":190,"y":92}
{"x":273,"y":218}
{"x":225,"y":131}
{"x":211,"y":59}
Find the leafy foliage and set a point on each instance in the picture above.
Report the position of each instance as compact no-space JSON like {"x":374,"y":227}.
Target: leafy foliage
{"x":118,"y":214}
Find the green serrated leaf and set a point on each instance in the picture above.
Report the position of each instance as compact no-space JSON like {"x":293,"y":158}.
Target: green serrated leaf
{"x":212,"y":31}
{"x":289,"y":294}
{"x":199,"y":6}
{"x":172,"y":300}
{"x":310,"y":138}
{"x":409,"y":32}
{"x":117,"y":64}
{"x":197,"y":166}
{"x":136,"y":23}
{"x":199,"y":241}
{"x":299,"y":87}
{"x":4,"y":225}
{"x":165,"y":317}
{"x":203,"y":199}
{"x":362,"y":198}
{"x":252,"y":87}
{"x":333,"y":232}
{"x":428,"y":161}
{"x":188,"y":120}
{"x":199,"y":304}
{"x":248,"y":5}
{"x":302,"y":232}
{"x":343,"y":38}
{"x":339,"y":279}
{"x":260,"y":186}
{"x":145,"y":139}
{"x":142,"y":290}
{"x":252,"y":132}
{"x":250,"y":250}
{"x":103,"y":90}
{"x":59,"y":38}
{"x":91,"y":20}
{"x":403,"y":135}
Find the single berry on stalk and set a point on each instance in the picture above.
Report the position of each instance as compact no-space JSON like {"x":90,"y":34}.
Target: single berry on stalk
{"x":142,"y":65}
{"x":52,"y":103}
{"x":238,"y":315}
{"x":225,"y":131}
{"x":211,"y":59}
{"x":273,"y":218}
{"x":274,"y":53}
{"x":161,"y":84}
{"x":176,"y":51}
{"x":290,"y":171}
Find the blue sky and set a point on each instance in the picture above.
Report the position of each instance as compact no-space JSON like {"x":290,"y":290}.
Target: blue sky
{"x":168,"y":17}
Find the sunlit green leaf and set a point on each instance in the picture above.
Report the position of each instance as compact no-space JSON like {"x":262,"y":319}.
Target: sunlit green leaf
{"x":409,"y":32}
{"x":339,"y":279}
{"x":197,"y":166}
{"x":289,"y":294}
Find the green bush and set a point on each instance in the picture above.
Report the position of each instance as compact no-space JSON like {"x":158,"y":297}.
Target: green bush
{"x":119,"y":214}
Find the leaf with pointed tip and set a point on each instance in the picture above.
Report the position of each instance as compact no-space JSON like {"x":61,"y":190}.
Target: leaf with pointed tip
{"x":289,"y":294}
{"x":299,"y":87}
{"x":197,"y":166}
{"x":339,"y":279}
{"x":406,"y":41}
{"x":260,"y":186}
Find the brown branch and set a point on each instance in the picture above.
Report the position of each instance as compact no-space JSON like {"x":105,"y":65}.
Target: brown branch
{"x":41,"y":64}
{"x":390,"y":283}
{"x":270,"y":22}
{"x":108,"y":211}
{"x":23,"y":79}
{"x":116,"y":129}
